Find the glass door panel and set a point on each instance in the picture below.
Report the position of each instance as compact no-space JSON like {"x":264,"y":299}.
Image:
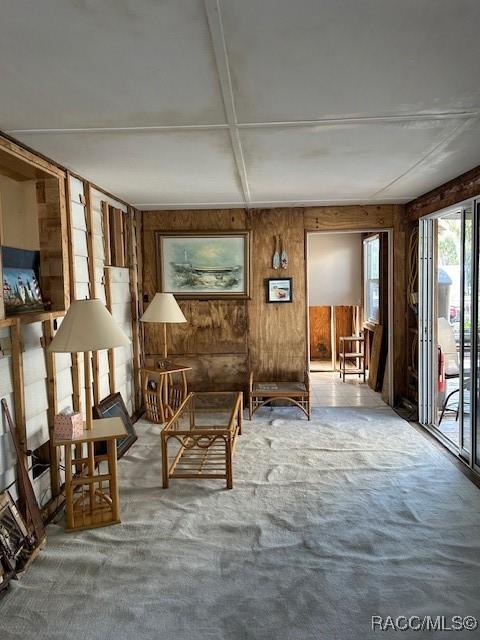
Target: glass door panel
{"x":466,"y":317}
{"x":476,"y":337}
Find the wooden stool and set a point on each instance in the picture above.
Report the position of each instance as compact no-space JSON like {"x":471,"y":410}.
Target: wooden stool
{"x":352,"y":348}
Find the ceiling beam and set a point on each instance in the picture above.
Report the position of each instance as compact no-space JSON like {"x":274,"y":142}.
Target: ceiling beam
{"x":318,"y":122}
{"x":215,"y":24}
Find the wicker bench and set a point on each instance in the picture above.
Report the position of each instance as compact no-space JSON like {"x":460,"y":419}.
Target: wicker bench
{"x":263,"y":393}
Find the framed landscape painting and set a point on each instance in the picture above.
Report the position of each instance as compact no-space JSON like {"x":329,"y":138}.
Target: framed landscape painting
{"x":204,"y":265}
{"x":21,"y":291}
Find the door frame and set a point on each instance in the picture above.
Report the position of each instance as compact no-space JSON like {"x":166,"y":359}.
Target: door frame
{"x":427,"y":336}
{"x":389,"y":370}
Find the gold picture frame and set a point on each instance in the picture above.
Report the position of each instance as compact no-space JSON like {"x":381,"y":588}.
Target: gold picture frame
{"x":204,"y":265}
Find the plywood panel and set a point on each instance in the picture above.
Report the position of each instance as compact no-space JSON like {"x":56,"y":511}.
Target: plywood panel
{"x":320,"y":333}
{"x":343,"y":323}
{"x":213,"y":326}
{"x":342,"y":218}
{"x":277,"y":332}
{"x":54,"y":241}
{"x":213,"y":372}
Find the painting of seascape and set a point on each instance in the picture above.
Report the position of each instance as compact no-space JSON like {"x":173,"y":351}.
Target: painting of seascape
{"x":203,"y":265}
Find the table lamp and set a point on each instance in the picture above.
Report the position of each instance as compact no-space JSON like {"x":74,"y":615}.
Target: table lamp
{"x":87,"y":326}
{"x":163,"y":308}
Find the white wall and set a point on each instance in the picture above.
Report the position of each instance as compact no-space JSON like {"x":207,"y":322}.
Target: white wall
{"x":334,"y":269}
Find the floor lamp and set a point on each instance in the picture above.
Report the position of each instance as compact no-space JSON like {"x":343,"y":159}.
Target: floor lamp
{"x":87,"y":326}
{"x":163,"y":309}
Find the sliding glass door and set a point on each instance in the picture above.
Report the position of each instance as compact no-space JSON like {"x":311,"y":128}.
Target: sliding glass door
{"x":448,"y":294}
{"x":475,"y":440}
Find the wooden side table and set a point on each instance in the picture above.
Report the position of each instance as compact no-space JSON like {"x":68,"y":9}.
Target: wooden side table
{"x":92,"y":498}
{"x":162,"y":396}
{"x":352,"y":348}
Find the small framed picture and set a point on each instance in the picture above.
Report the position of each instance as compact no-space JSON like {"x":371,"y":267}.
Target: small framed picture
{"x":279,"y":290}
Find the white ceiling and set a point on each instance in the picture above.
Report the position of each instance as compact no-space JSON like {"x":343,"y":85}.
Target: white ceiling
{"x":198,"y":103}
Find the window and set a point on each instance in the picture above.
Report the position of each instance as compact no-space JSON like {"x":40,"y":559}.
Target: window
{"x":371,"y":278}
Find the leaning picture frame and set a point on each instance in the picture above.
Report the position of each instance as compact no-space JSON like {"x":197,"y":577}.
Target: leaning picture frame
{"x":113,"y":406}
{"x":204,"y":265}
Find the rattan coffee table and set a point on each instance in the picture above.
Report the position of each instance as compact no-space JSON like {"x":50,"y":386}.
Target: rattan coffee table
{"x":199,"y":440}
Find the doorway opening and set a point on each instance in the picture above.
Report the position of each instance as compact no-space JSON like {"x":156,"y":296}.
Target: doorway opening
{"x":349,"y":316}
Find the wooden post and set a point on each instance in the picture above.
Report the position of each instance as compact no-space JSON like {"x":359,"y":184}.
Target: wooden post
{"x":112,"y":471}
{"x":48,"y":333}
{"x":88,"y":389}
{"x":134,"y":292}
{"x":106,"y":232}
{"x":73,"y":294}
{"x":165,"y":350}
{"x":93,"y":285}
{"x":68,"y":486}
{"x":111,"y":352}
{"x":333,"y":337}
{"x":19,"y":396}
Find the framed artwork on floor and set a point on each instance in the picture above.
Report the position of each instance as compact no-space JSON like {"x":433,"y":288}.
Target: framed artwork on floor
{"x":114,"y":407}
{"x":204,"y":265}
{"x":279,"y":290}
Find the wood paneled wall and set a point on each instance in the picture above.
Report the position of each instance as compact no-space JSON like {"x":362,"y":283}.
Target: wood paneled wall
{"x":214,"y":340}
{"x":223,"y":339}
{"x":461,"y":188}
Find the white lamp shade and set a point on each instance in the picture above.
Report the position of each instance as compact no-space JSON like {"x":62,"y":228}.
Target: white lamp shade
{"x":87,"y":326}
{"x":163,"y":308}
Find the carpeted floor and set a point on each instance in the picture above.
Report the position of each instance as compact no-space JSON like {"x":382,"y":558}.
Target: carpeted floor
{"x":330,"y":522}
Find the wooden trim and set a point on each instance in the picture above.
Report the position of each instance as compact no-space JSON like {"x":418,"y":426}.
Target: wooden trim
{"x":117,"y":248}
{"x":106,"y":232}
{"x":465,"y":186}
{"x":73,"y":294}
{"x":93,"y":285}
{"x":134,"y":293}
{"x":348,"y":218}
{"x":111,"y":352}
{"x":71,"y":253}
{"x":19,"y":396}
{"x":48,"y":333}
{"x":23,"y":152}
{"x":65,"y":241}
{"x":7,"y":322}
{"x":95,"y":187}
